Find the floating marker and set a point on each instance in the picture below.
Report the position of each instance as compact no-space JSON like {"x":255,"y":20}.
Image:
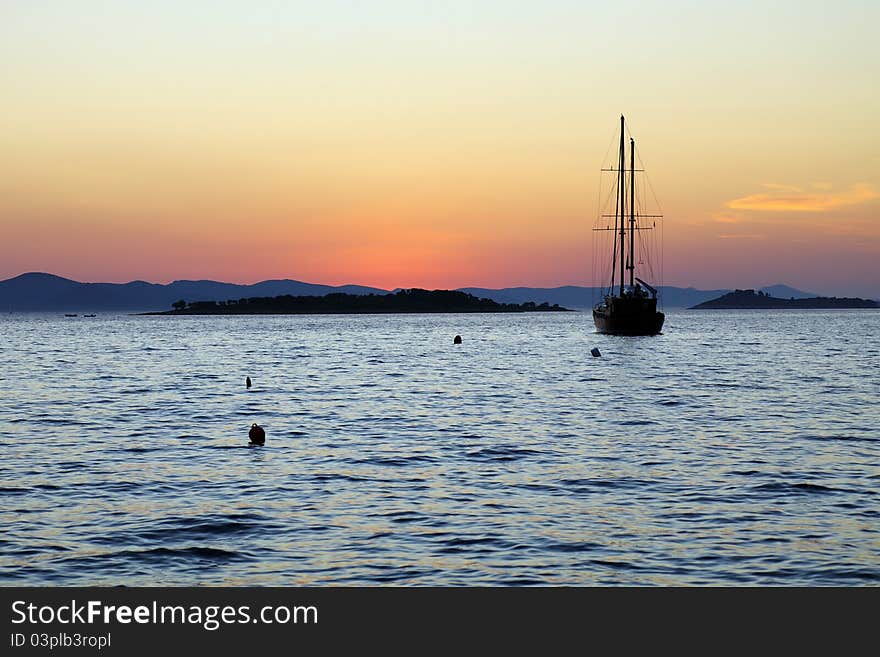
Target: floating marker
{"x":247,"y":382}
{"x":595,"y":351}
{"x":457,"y":340}
{"x":257,"y":435}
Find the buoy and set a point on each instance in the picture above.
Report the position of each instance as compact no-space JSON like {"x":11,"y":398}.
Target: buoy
{"x":457,"y":340}
{"x":247,"y":382}
{"x":595,"y":352}
{"x":257,"y":435}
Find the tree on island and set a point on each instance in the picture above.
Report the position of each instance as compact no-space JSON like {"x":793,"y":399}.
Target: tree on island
{"x":404,"y":301}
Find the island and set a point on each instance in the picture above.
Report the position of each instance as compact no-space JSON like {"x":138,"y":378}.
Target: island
{"x":402,"y":301}
{"x":749,"y":299}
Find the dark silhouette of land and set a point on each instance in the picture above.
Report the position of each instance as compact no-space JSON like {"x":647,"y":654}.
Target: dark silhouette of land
{"x":749,"y":299}
{"x":403,"y":301}
{"x":36,"y":292}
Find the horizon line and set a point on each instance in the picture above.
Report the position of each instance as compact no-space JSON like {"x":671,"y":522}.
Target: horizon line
{"x":399,"y":287}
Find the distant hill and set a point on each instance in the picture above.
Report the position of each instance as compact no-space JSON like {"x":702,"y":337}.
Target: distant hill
{"x":46,"y":292}
{"x":786,"y":292}
{"x":685,"y":297}
{"x":573,"y":296}
{"x":403,"y":301}
{"x":749,"y":299}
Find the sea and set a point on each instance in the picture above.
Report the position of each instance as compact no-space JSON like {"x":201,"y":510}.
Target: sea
{"x":737,"y":448}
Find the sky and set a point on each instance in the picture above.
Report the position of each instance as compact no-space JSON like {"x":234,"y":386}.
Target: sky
{"x":436,"y":144}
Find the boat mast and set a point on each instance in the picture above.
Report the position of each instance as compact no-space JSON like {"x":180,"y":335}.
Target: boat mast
{"x":632,"y":209}
{"x":621,"y":179}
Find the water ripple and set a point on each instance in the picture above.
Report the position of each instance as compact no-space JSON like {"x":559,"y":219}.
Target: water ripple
{"x":737,"y":448}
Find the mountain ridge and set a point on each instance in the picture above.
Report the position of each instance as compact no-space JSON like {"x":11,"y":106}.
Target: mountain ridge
{"x":46,"y":292}
{"x":43,"y":292}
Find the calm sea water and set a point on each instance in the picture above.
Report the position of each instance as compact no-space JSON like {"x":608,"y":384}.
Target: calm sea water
{"x":737,"y":448}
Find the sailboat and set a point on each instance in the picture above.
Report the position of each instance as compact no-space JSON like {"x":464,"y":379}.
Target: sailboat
{"x":629,"y":306}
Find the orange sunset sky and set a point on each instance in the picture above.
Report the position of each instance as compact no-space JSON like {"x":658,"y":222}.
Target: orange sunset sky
{"x":436,"y":144}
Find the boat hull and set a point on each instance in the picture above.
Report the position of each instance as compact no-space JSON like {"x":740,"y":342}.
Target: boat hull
{"x":626,"y":316}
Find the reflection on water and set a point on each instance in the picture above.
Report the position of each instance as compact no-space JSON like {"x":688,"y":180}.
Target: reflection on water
{"x":737,"y":448}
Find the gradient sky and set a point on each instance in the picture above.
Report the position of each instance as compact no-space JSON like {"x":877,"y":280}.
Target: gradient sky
{"x":436,"y":144}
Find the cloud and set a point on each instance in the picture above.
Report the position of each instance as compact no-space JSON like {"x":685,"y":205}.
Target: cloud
{"x":787,"y":198}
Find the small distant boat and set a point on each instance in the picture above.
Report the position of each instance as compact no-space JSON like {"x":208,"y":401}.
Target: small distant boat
{"x":70,"y":314}
{"x":89,"y":315}
{"x":629,"y":307}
